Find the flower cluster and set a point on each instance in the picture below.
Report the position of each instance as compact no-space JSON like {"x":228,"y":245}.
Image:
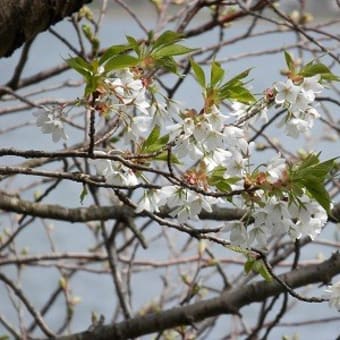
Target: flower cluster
{"x":211,"y":155}
{"x":122,"y":92}
{"x":297,"y":98}
{"x":115,"y":173}
{"x":49,"y":119}
{"x":205,"y":137}
{"x":276,"y":217}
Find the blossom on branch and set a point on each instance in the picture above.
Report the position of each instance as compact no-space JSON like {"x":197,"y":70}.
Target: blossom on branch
{"x":49,"y":119}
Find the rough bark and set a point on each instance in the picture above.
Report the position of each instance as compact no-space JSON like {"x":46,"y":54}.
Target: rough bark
{"x":22,"y":20}
{"x":228,"y":303}
{"x":12,"y":203}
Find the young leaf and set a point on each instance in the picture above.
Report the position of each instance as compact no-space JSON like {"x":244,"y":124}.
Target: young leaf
{"x":237,"y":93}
{"x":311,"y":69}
{"x":120,"y":61}
{"x":112,"y":52}
{"x":289,"y":61}
{"x":167,"y":38}
{"x":261,"y":268}
{"x":170,"y":51}
{"x":318,"y":192}
{"x":168,"y":64}
{"x":83,"y":194}
{"x":163,"y":156}
{"x":217,"y":74}
{"x":133,"y":43}
{"x":81,"y":66}
{"x":248,"y":266}
{"x":199,"y":73}
{"x":237,"y":79}
{"x":152,"y":138}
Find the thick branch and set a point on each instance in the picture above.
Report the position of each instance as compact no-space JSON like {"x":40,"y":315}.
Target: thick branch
{"x":228,"y":303}
{"x":53,"y":211}
{"x":13,"y":203}
{"x":20,"y":21}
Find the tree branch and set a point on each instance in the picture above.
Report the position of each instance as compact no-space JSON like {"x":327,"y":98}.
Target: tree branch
{"x":228,"y":303}
{"x":13,"y":203}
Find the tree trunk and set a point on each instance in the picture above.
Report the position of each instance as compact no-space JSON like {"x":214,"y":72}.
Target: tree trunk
{"x":22,"y":20}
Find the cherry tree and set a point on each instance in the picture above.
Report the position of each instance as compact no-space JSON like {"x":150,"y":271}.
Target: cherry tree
{"x":151,"y":187}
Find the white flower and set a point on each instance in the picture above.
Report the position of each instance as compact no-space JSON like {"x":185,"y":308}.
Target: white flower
{"x":258,"y":234}
{"x":286,"y":92}
{"x":311,"y":217}
{"x":103,"y":167}
{"x":239,"y":110}
{"x":49,"y":120}
{"x":238,"y":234}
{"x":140,"y":127}
{"x":295,"y":126}
{"x":149,"y":201}
{"x":217,"y":157}
{"x":235,"y":165}
{"x":114,"y":172}
{"x":121,"y":175}
{"x":234,"y":139}
{"x":312,"y":85}
{"x":186,"y":204}
{"x":302,"y":101}
{"x":333,"y":294}
{"x":216,"y":118}
{"x":126,"y":90}
{"x":274,"y":218}
{"x":186,"y":146}
{"x":164,"y":114}
{"x":275,"y":168}
{"x":201,"y":131}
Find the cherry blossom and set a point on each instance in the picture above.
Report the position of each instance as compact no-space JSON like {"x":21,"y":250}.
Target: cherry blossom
{"x":238,"y":234}
{"x":286,"y":92}
{"x":49,"y":119}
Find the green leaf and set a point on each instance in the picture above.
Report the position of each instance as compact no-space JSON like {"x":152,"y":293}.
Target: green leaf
{"x":235,"y":89}
{"x":154,"y":142}
{"x":289,"y":61}
{"x":170,"y":51}
{"x":168,"y":64}
{"x":237,"y":93}
{"x":311,"y":174}
{"x":121,"y":61}
{"x":312,"y":69}
{"x":261,"y":268}
{"x":133,"y":43}
{"x":91,"y":85}
{"x":163,"y":156}
{"x":248,"y":266}
{"x":112,"y":52}
{"x":167,"y":38}
{"x":223,"y":186}
{"x":152,"y":138}
{"x":218,"y":172}
{"x":83,"y":194}
{"x":217,"y":74}
{"x":312,"y":166}
{"x":217,"y":179}
{"x":237,"y":79}
{"x":81,"y":66}
{"x":318,"y":192}
{"x":199,"y":73}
